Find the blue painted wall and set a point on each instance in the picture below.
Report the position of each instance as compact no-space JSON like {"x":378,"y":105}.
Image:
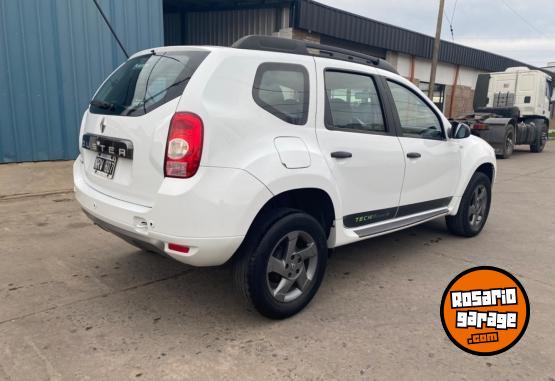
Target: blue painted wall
{"x":53,"y":56}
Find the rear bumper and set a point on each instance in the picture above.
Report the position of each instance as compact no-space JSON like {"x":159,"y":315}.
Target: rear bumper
{"x":133,"y":238}
{"x":146,"y":227}
{"x":203,"y":252}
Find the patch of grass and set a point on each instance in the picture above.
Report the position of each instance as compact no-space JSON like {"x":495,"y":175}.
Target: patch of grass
{"x":552,"y":134}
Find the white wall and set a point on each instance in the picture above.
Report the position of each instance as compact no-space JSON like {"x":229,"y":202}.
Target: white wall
{"x":403,"y":62}
{"x":468,"y":77}
{"x":445,"y":72}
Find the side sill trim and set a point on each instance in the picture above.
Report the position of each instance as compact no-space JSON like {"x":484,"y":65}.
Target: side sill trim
{"x":398,"y":223}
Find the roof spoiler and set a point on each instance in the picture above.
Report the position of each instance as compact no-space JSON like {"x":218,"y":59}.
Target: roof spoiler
{"x":285,"y":45}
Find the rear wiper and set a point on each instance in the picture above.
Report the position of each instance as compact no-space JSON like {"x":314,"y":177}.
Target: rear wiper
{"x":143,"y":102}
{"x":102,"y":104}
{"x":164,"y":55}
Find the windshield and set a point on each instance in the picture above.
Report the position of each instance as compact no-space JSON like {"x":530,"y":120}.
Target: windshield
{"x":146,"y":82}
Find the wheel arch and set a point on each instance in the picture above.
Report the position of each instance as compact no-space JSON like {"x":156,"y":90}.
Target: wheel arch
{"x":487,"y":169}
{"x":476,"y":155}
{"x":486,"y":166}
{"x":316,"y":202}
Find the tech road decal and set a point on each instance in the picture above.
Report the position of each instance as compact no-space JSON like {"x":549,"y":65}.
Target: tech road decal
{"x":485,"y":311}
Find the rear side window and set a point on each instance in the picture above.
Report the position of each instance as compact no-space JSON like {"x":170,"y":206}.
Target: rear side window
{"x":352,"y":103}
{"x":146,"y":82}
{"x":282,"y":90}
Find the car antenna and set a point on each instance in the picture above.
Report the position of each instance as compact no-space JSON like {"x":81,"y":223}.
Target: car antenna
{"x":110,"y":27}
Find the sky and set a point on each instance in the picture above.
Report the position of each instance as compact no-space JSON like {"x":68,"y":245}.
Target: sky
{"x":519,"y":29}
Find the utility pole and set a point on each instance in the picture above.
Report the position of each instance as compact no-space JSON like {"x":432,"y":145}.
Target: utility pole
{"x":435,"y":54}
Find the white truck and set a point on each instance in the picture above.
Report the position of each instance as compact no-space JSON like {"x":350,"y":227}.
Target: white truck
{"x":512,"y":108}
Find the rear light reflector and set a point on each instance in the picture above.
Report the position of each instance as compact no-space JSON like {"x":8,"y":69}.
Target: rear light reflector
{"x":480,"y":126}
{"x":180,"y":248}
{"x":184,"y":145}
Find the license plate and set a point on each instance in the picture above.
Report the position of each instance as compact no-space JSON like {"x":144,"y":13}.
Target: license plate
{"x":105,"y":165}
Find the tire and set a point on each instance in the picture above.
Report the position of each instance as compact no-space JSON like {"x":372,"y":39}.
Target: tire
{"x":541,"y":137}
{"x":474,"y":209}
{"x":509,"y":143}
{"x":277,"y":277}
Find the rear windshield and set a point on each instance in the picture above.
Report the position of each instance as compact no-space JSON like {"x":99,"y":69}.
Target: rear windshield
{"x":146,"y":82}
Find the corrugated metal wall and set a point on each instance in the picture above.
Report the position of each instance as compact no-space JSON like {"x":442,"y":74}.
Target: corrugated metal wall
{"x":365,"y":49}
{"x":226,"y":27}
{"x":173,"y":34}
{"x":333,"y":22}
{"x":53,"y":56}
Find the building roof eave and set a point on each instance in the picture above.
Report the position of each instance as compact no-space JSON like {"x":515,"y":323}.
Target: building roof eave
{"x":323,"y":19}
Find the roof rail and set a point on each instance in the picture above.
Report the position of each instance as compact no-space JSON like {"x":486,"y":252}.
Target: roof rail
{"x":285,"y":45}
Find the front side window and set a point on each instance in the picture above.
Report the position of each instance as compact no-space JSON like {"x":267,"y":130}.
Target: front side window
{"x":146,"y":82}
{"x":352,"y":103}
{"x":417,"y":119}
{"x":282,"y":90}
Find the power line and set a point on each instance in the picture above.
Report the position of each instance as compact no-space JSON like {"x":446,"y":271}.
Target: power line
{"x":450,"y":25}
{"x":454,"y":9}
{"x":446,"y":17}
{"x":450,"y":20}
{"x":524,"y":20}
{"x":110,"y":27}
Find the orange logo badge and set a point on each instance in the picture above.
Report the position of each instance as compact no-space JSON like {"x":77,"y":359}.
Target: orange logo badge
{"x":485,"y":311}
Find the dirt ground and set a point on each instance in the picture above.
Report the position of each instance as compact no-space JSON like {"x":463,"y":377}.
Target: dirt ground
{"x":77,"y":303}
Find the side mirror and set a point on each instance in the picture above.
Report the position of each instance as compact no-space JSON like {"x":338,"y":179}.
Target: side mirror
{"x":460,"y":131}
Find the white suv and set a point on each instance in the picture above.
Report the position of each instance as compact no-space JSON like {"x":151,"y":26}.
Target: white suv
{"x":269,"y":153}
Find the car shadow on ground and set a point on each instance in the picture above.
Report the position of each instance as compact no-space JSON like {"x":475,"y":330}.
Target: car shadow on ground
{"x":206,"y":294}
{"x":520,"y":150}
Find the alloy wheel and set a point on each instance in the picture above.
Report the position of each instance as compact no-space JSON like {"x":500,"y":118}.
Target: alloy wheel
{"x":292,"y":266}
{"x":510,"y":145}
{"x":544,"y":139}
{"x":478,"y":206}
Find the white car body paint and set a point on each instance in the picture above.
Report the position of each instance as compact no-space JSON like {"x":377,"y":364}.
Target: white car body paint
{"x":249,"y":156}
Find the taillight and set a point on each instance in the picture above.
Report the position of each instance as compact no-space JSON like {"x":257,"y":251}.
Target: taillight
{"x":184,"y":145}
{"x":480,"y":126}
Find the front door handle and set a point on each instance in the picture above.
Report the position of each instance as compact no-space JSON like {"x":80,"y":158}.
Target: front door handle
{"x":341,"y":155}
{"x":414,"y":155}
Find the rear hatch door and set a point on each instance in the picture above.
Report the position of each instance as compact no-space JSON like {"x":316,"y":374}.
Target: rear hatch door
{"x":124,"y":130}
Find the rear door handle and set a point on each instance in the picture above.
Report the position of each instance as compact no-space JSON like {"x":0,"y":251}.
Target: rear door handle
{"x":341,"y":155}
{"x":414,"y":155}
